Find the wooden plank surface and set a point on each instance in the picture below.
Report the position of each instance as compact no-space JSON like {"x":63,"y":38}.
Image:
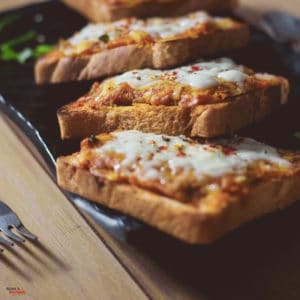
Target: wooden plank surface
{"x":260,"y":6}
{"x":70,"y":261}
{"x":9,"y":4}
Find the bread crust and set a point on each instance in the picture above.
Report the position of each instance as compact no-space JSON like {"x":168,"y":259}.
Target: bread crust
{"x":98,"y":11}
{"x":164,"y":54}
{"x":178,"y":219}
{"x":209,"y":120}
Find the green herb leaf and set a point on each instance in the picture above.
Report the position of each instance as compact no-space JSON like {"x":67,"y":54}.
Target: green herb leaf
{"x":93,"y":139}
{"x":9,"y":54}
{"x":7,"y":51}
{"x":42,"y":49}
{"x":104,"y":38}
{"x":4,"y":22}
{"x":297,"y":135}
{"x":28,"y":36}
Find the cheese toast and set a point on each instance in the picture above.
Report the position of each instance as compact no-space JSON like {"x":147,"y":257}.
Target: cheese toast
{"x":111,"y":10}
{"x":207,"y":99}
{"x":193,"y":190}
{"x":106,"y":49}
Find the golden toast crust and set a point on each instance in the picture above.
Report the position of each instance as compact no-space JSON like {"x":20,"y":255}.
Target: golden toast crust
{"x":175,"y":218}
{"x":204,"y":120}
{"x":157,"y":55}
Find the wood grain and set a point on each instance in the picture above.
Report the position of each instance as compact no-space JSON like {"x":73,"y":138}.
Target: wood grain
{"x":70,"y":261}
{"x":292,"y":6}
{"x":9,"y":4}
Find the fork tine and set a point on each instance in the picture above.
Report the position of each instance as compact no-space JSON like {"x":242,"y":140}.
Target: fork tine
{"x":12,"y":236}
{"x":25,"y":232}
{"x":5,"y":242}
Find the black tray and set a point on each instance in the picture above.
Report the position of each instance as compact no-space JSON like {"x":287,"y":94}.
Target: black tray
{"x":259,"y":261}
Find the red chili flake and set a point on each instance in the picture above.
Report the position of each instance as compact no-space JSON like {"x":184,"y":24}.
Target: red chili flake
{"x":84,"y":143}
{"x":152,"y":142}
{"x":195,"y":68}
{"x":213,"y":146}
{"x":161,"y":148}
{"x":181,"y":154}
{"x":85,"y":164}
{"x":228,"y":151}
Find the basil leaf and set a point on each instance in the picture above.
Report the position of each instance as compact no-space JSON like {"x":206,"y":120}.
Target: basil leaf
{"x":42,"y":49}
{"x":9,"y":54}
{"x":7,"y":51}
{"x":104,"y":38}
{"x":28,"y":36}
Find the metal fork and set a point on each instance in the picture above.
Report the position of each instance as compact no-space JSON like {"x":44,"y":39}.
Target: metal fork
{"x":9,"y":220}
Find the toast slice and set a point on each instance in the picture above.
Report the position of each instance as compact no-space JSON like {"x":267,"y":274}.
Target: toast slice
{"x":193,"y":190}
{"x":106,"y":49}
{"x":111,"y":10}
{"x":206,"y":99}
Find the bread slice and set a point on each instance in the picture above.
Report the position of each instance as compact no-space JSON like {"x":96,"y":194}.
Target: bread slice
{"x":194,"y":191}
{"x":106,"y":49}
{"x":206,"y":99}
{"x":107,"y":11}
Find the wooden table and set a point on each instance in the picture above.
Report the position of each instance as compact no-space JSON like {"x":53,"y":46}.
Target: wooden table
{"x":75,"y":258}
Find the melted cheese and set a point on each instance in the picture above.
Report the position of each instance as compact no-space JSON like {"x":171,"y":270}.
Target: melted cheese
{"x":146,"y":153}
{"x":265,"y":76}
{"x":233,"y":76}
{"x":164,"y":28}
{"x":200,"y":75}
{"x":89,"y":33}
{"x":156,"y":27}
{"x":138,"y":78}
{"x":92,"y":32}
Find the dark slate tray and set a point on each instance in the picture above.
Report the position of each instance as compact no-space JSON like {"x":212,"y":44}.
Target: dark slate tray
{"x":259,"y":261}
